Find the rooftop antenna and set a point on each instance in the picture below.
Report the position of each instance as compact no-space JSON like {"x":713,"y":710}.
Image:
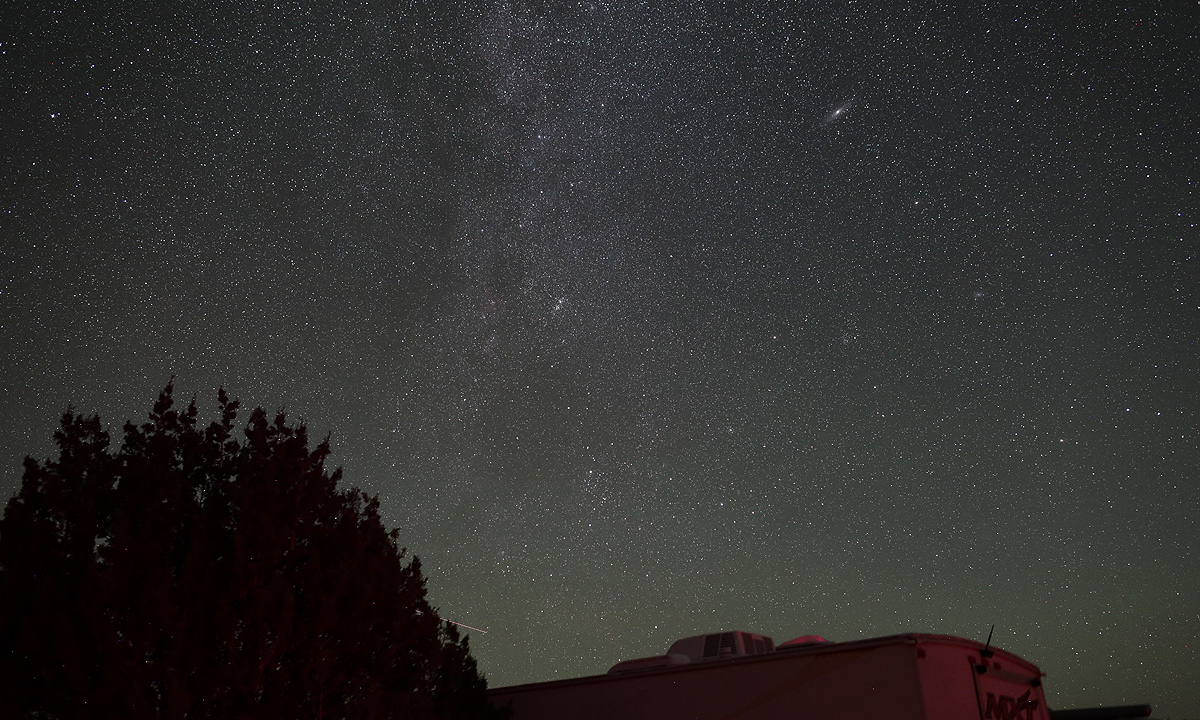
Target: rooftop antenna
{"x":986,"y":651}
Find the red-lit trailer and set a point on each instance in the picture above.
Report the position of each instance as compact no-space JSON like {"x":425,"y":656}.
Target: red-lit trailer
{"x":742,"y":676}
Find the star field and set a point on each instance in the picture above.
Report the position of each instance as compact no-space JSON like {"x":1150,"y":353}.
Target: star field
{"x":652,"y":320}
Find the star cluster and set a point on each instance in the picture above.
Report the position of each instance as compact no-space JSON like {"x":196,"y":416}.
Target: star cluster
{"x":647,"y":320}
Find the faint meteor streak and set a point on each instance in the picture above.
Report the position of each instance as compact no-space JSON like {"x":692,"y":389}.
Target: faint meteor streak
{"x":452,"y":622}
{"x":462,"y":625}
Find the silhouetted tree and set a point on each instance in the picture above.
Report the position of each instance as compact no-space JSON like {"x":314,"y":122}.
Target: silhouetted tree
{"x":190,"y":575}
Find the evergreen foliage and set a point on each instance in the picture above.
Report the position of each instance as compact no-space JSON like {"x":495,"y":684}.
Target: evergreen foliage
{"x":190,"y":575}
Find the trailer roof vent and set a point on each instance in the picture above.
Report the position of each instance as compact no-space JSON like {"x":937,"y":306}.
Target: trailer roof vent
{"x":803,"y":641}
{"x":716,"y":646}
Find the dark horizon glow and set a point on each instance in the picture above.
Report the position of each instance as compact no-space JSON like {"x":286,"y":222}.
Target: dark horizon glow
{"x":645,"y":322}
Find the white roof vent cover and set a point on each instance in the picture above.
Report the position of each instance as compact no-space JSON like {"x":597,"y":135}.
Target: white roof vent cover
{"x":716,"y":646}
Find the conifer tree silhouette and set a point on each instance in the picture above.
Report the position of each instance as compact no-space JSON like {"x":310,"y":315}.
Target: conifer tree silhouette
{"x":192,"y":575}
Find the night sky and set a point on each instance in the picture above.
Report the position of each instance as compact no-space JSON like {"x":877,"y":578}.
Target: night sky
{"x":646,"y":320}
